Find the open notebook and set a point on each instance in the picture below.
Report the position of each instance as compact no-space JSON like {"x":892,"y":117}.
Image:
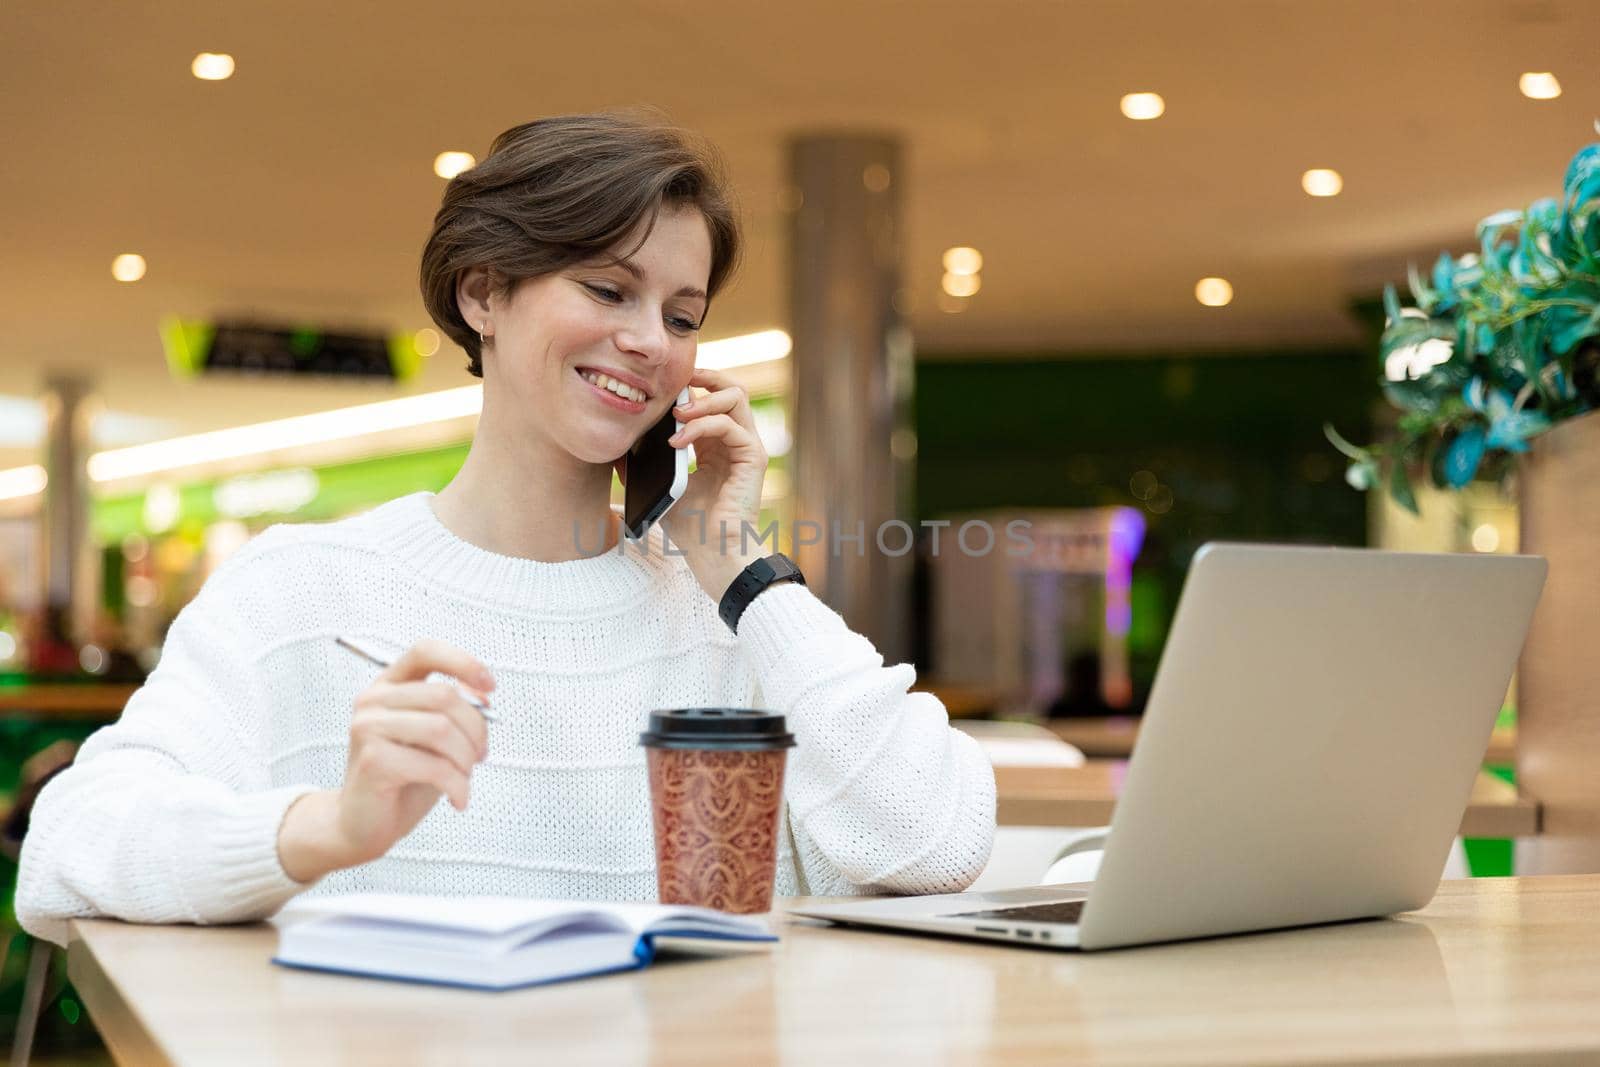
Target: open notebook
{"x":488,"y":942}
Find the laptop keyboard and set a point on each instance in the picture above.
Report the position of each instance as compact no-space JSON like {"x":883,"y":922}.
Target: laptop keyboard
{"x":1065,"y":911}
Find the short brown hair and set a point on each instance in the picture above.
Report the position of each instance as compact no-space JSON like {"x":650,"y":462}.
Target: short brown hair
{"x":555,"y":192}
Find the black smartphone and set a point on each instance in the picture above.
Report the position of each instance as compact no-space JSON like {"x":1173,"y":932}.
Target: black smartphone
{"x":658,"y":474}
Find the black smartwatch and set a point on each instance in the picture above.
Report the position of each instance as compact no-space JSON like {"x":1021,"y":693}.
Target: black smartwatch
{"x":754,"y":578}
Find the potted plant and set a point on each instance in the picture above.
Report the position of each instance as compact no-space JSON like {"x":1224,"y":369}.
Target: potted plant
{"x":1500,"y":345}
{"x":1490,"y":369}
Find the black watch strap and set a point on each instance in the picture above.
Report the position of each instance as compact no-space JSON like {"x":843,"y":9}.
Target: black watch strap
{"x":754,"y":578}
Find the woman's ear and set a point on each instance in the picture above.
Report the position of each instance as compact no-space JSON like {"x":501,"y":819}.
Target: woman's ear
{"x":472,"y":297}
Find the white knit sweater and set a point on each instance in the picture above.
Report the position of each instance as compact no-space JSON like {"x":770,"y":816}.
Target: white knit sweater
{"x":172,"y":813}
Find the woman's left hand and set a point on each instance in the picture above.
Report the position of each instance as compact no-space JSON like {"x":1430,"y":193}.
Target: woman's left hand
{"x":731,"y":463}
{"x":715,"y":522}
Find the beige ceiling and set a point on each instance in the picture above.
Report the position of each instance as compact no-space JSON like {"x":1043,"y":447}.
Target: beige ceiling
{"x":301,"y":189}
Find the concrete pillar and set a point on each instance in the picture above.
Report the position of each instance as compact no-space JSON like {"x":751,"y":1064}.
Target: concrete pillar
{"x":64,"y":520}
{"x":853,"y":376}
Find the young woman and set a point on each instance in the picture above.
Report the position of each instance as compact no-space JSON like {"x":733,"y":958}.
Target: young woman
{"x":575,"y":266}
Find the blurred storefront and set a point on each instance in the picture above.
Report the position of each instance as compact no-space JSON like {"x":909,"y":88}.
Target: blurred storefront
{"x":157,"y":538}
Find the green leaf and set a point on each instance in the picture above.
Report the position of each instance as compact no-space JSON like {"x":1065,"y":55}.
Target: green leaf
{"x":1391,"y":305}
{"x":1424,"y":296}
{"x":1400,"y":487}
{"x":1565,"y":338}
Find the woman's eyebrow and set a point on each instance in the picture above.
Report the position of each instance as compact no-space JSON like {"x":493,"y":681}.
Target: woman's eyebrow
{"x":688,"y":290}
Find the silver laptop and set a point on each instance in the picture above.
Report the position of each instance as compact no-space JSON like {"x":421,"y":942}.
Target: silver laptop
{"x":1310,"y":743}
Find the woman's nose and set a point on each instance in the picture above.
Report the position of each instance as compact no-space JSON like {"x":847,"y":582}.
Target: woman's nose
{"x":647,"y":338}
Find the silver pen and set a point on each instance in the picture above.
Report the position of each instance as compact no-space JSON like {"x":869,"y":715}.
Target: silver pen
{"x":379,"y":661}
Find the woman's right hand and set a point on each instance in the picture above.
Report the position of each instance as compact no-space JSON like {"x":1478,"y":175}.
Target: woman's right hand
{"x":411,"y":741}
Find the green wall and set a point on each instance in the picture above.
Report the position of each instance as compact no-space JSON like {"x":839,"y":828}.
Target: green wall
{"x":1236,"y":436}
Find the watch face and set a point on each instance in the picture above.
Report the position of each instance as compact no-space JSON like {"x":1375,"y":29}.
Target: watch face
{"x":784,"y":567}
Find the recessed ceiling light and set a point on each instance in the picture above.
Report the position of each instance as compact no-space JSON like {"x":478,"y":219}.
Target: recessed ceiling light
{"x":951,"y":305}
{"x":212,"y":66}
{"x":1213,"y":292}
{"x":961,"y":284}
{"x":1321,"y":182}
{"x":1143,"y":106}
{"x":128,"y":267}
{"x":426,"y":341}
{"x":876,"y":177}
{"x":963,"y":260}
{"x":448,"y":164}
{"x":1539,"y":85}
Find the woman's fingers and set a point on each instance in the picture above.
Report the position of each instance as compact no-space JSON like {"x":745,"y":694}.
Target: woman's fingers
{"x":713,"y":379}
{"x":401,"y":764}
{"x":429,"y":656}
{"x":426,"y":697}
{"x":425,"y":730}
{"x":717,"y":427}
{"x":725,"y":396}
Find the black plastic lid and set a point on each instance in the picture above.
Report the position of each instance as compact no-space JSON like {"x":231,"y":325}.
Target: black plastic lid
{"x":745,"y":729}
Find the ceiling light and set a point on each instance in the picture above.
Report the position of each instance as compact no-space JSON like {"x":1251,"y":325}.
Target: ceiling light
{"x":280,"y":434}
{"x":22,"y":481}
{"x":425,"y":341}
{"x":128,"y":267}
{"x":448,"y":164}
{"x":1143,"y":106}
{"x":876,"y":178}
{"x":1540,"y":85}
{"x":212,"y":66}
{"x":1321,"y":182}
{"x":963,"y":260}
{"x":961,"y":284}
{"x":1213,"y":292}
{"x":743,"y":350}
{"x":951,"y":305}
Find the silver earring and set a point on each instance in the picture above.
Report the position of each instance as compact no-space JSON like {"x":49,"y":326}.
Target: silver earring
{"x":481,"y":340}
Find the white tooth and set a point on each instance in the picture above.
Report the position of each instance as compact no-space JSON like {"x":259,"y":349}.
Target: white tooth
{"x":620,"y":388}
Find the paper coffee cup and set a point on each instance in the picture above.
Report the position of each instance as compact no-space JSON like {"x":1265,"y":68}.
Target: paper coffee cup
{"x":716,"y":793}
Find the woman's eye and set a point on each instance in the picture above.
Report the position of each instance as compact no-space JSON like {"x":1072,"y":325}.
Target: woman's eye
{"x":603,"y":293}
{"x":686,"y":325}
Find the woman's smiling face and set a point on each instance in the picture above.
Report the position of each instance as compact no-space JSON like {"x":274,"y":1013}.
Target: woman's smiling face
{"x":634,"y":322}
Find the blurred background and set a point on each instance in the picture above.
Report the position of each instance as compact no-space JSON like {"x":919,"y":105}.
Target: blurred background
{"x":1108,"y":268}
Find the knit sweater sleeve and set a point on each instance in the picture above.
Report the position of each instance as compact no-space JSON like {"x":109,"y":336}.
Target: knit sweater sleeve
{"x":884,"y":796}
{"x":167,"y":815}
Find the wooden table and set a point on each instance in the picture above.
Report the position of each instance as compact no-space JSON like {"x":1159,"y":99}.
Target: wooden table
{"x":1087,"y":795}
{"x":1494,"y":971}
{"x":62,"y":701}
{"x":1113,"y":737}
